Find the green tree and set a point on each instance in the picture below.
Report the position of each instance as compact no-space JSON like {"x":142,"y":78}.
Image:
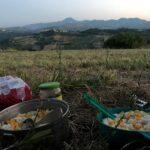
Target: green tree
{"x":4,"y":44}
{"x":125,"y":40}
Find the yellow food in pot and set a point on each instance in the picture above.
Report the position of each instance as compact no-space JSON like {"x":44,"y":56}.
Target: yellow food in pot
{"x":17,"y":122}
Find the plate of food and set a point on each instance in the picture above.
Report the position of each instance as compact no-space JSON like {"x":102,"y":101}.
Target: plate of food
{"x":121,"y":124}
{"x":128,"y":124}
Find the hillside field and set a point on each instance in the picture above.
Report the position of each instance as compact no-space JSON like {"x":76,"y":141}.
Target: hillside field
{"x":113,"y":75}
{"x":73,"y":67}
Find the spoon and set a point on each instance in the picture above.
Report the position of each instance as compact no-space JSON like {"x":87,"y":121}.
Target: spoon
{"x":50,"y":118}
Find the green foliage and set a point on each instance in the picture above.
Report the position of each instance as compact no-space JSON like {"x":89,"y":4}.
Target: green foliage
{"x":125,"y":40}
{"x":148,"y":40}
{"x":91,"y":32}
{"x":4,"y":44}
{"x":88,"y":39}
{"x":43,"y":39}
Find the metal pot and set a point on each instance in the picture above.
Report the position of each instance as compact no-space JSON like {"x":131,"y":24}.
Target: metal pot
{"x":59,"y":128}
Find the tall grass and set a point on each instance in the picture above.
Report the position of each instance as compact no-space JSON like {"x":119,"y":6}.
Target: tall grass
{"x":73,"y":67}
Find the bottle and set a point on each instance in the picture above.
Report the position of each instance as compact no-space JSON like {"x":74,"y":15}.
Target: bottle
{"x":50,"y":90}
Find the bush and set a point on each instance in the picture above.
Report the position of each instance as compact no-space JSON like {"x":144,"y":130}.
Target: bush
{"x":4,"y":44}
{"x":125,"y":40}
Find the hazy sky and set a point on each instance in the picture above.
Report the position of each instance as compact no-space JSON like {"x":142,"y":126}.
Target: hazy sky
{"x":21,"y":12}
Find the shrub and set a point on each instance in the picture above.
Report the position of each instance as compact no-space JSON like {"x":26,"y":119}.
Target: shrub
{"x":125,"y":40}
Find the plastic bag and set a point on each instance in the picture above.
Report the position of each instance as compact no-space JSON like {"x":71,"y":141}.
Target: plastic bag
{"x":13,"y":90}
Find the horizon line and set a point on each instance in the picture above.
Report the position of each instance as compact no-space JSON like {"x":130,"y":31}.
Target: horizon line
{"x":17,"y":26}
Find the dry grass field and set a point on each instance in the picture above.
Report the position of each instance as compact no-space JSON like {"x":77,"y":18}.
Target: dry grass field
{"x":77,"y":67}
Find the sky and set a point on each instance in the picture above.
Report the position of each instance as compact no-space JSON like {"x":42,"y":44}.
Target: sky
{"x":23,"y":12}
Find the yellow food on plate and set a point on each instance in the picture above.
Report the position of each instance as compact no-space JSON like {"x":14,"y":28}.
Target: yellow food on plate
{"x":132,"y":120}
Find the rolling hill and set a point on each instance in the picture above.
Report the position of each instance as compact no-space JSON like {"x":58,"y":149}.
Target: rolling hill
{"x":70,"y":24}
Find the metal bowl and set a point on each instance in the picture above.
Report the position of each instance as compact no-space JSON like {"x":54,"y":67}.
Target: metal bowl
{"x":31,"y":105}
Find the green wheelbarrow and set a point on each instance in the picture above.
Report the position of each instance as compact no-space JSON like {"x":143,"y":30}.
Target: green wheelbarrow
{"x":112,"y":134}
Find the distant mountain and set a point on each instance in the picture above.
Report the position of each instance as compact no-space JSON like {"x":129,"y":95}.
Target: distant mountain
{"x":69,"y":21}
{"x":70,"y":24}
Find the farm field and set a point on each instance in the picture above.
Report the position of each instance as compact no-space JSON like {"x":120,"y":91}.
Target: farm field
{"x":113,"y":75}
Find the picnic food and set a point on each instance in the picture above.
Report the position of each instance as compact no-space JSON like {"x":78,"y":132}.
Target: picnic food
{"x":50,"y":90}
{"x":131,"y":120}
{"x":21,"y":120}
{"x":13,"y":90}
